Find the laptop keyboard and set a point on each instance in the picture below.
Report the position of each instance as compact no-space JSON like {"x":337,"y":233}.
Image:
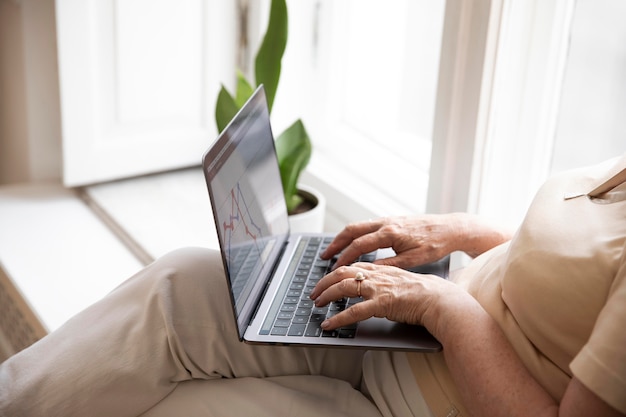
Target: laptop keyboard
{"x":295,"y":314}
{"x":243,"y":263}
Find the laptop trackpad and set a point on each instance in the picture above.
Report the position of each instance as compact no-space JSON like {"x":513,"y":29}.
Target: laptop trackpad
{"x":383,"y":329}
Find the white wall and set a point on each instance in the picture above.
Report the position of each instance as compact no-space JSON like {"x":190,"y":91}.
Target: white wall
{"x":30,"y":121}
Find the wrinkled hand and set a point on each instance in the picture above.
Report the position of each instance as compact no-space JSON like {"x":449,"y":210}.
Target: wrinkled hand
{"x":416,"y":240}
{"x":387,"y":291}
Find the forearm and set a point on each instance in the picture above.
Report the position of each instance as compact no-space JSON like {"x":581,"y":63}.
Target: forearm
{"x":488,"y":373}
{"x":476,"y":235}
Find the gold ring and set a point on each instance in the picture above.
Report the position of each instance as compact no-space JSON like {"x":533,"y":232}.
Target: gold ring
{"x":360,"y":276}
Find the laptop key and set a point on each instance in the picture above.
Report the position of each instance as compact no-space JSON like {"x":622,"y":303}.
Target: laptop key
{"x":285,"y":315}
{"x":320,"y":310}
{"x":313,"y":330}
{"x":303,"y":312}
{"x":279,"y":331}
{"x":347,"y":333}
{"x":297,"y":330}
{"x":317,"y":318}
{"x":336,"y":307}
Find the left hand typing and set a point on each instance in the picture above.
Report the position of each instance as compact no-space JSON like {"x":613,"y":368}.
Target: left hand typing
{"x":387,"y":291}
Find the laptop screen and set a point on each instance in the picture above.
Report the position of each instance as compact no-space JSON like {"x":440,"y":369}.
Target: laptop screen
{"x":246,"y":193}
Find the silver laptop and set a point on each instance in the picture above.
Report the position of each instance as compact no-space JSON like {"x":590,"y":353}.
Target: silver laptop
{"x":271,"y":272}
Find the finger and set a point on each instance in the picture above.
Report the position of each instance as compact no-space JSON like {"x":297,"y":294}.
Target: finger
{"x":331,"y":279}
{"x":347,"y":287}
{"x":347,"y":235}
{"x":342,"y":283}
{"x":358,"y":312}
{"x":362,"y":245}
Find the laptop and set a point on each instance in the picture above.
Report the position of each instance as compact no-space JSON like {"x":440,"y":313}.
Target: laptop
{"x":271,"y":272}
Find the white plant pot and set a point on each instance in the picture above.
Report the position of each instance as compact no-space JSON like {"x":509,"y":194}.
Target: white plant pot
{"x":311,"y":221}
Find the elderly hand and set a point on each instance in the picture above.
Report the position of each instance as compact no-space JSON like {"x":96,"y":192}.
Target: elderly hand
{"x":417,"y":240}
{"x":387,"y":291}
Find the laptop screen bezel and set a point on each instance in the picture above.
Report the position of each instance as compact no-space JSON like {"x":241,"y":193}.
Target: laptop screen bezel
{"x":213,"y":160}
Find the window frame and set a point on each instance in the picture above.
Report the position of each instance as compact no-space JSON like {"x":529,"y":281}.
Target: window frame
{"x":518,"y":121}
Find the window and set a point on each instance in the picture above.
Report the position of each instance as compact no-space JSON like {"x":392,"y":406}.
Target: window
{"x":591,"y":126}
{"x":363,"y":76}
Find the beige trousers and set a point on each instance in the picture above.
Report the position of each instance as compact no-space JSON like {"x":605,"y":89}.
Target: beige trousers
{"x":164,"y":343}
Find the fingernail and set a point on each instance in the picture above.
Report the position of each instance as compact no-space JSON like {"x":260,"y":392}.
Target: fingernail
{"x":324,"y":324}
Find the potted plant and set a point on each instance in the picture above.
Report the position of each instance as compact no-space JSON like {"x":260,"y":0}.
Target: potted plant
{"x":293,"y":146}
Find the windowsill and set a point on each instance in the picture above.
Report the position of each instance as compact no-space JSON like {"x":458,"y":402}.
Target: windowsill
{"x":158,"y":213}
{"x":58,"y":254}
{"x":155,"y":214}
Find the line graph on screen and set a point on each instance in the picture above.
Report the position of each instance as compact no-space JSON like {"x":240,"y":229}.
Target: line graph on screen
{"x":239,"y":225}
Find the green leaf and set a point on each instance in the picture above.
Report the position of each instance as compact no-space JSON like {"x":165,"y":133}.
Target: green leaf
{"x":267,"y":64}
{"x":293,"y":148}
{"x":225,"y":109}
{"x":244,"y":90}
{"x":227,"y":106}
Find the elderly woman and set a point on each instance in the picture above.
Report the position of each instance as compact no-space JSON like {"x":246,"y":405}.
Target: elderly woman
{"x":533,"y":326}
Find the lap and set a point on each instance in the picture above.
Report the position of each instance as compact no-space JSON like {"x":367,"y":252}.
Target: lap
{"x":297,"y":395}
{"x":170,"y":323}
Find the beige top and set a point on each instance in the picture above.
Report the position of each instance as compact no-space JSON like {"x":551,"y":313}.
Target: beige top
{"x":557,"y":290}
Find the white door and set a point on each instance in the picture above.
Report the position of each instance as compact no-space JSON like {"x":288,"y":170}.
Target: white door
{"x":138,"y":83}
